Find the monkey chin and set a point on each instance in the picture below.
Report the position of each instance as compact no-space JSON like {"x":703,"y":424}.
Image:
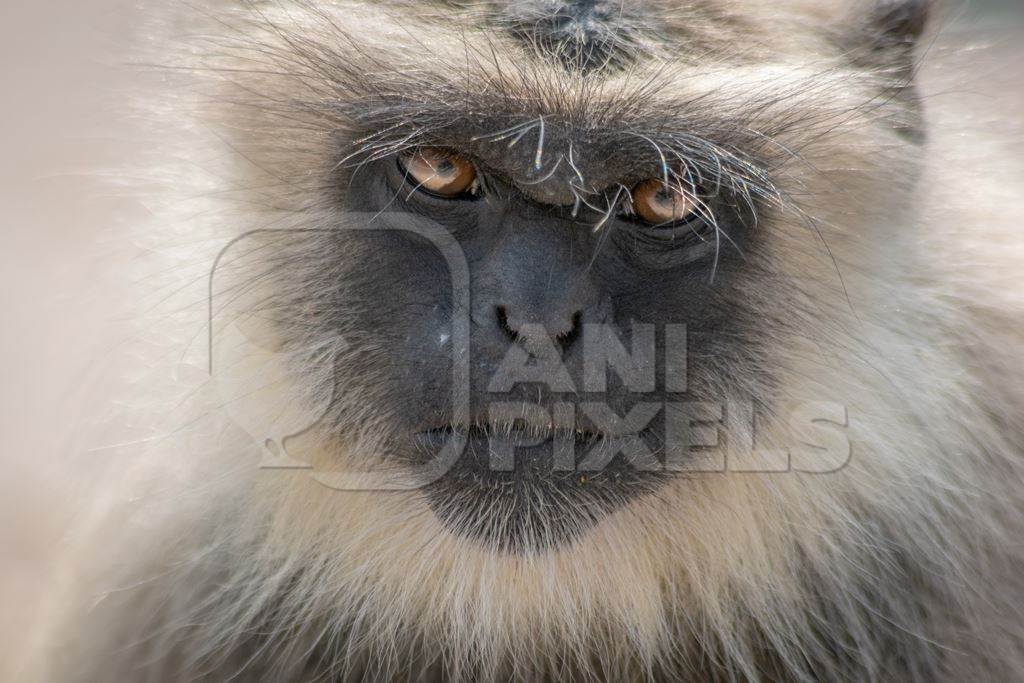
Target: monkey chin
{"x":531,"y":506}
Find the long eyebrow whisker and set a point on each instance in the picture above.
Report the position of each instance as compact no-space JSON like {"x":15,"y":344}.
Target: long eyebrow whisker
{"x":629,"y":193}
{"x":576,"y":169}
{"x":380,"y":149}
{"x":379,"y":133}
{"x":576,"y":203}
{"x":506,"y":133}
{"x":394,"y":199}
{"x":415,"y":189}
{"x":661,"y":153}
{"x":604,"y":235}
{"x":578,"y":190}
{"x":538,"y":161}
{"x":520,"y":136}
{"x":550,"y":173}
{"x":718,"y":252}
{"x":610,"y":210}
{"x":586,"y":203}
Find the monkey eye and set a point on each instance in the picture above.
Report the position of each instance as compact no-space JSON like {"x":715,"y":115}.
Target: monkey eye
{"x":439,"y":172}
{"x":658,"y":203}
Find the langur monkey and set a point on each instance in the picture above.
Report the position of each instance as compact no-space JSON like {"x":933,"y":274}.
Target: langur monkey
{"x":566,"y":340}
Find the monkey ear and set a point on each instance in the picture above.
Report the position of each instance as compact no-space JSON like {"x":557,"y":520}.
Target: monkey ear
{"x":886,"y":44}
{"x":888,"y":34}
{"x":898,"y":23}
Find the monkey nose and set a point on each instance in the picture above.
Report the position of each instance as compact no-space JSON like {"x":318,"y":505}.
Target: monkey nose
{"x":556,"y":331}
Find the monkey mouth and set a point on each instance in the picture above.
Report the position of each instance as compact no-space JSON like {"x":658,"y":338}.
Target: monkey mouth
{"x":518,"y":488}
{"x":516,"y":433}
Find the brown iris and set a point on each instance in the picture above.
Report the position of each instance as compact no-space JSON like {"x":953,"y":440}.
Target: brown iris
{"x":659,"y":204}
{"x":439,"y":171}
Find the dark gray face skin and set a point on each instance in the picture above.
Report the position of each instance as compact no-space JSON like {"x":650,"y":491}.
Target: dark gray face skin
{"x":530,"y":264}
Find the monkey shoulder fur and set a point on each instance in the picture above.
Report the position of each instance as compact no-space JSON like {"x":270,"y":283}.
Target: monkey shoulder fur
{"x":365,"y":215}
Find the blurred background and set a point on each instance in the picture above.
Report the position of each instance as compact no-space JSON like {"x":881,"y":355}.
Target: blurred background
{"x":996,"y":10}
{"x":65,"y":123}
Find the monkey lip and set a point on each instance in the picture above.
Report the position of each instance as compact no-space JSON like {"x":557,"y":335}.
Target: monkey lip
{"x":515,"y":432}
{"x":514,"y":489}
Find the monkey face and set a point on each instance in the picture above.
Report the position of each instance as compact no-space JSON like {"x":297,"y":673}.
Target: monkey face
{"x":554,"y":438}
{"x":618,"y":224}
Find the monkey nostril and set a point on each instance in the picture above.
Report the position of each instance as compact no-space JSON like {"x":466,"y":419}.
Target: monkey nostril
{"x":569,"y":337}
{"x":563,"y":338}
{"x":501,"y":313}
